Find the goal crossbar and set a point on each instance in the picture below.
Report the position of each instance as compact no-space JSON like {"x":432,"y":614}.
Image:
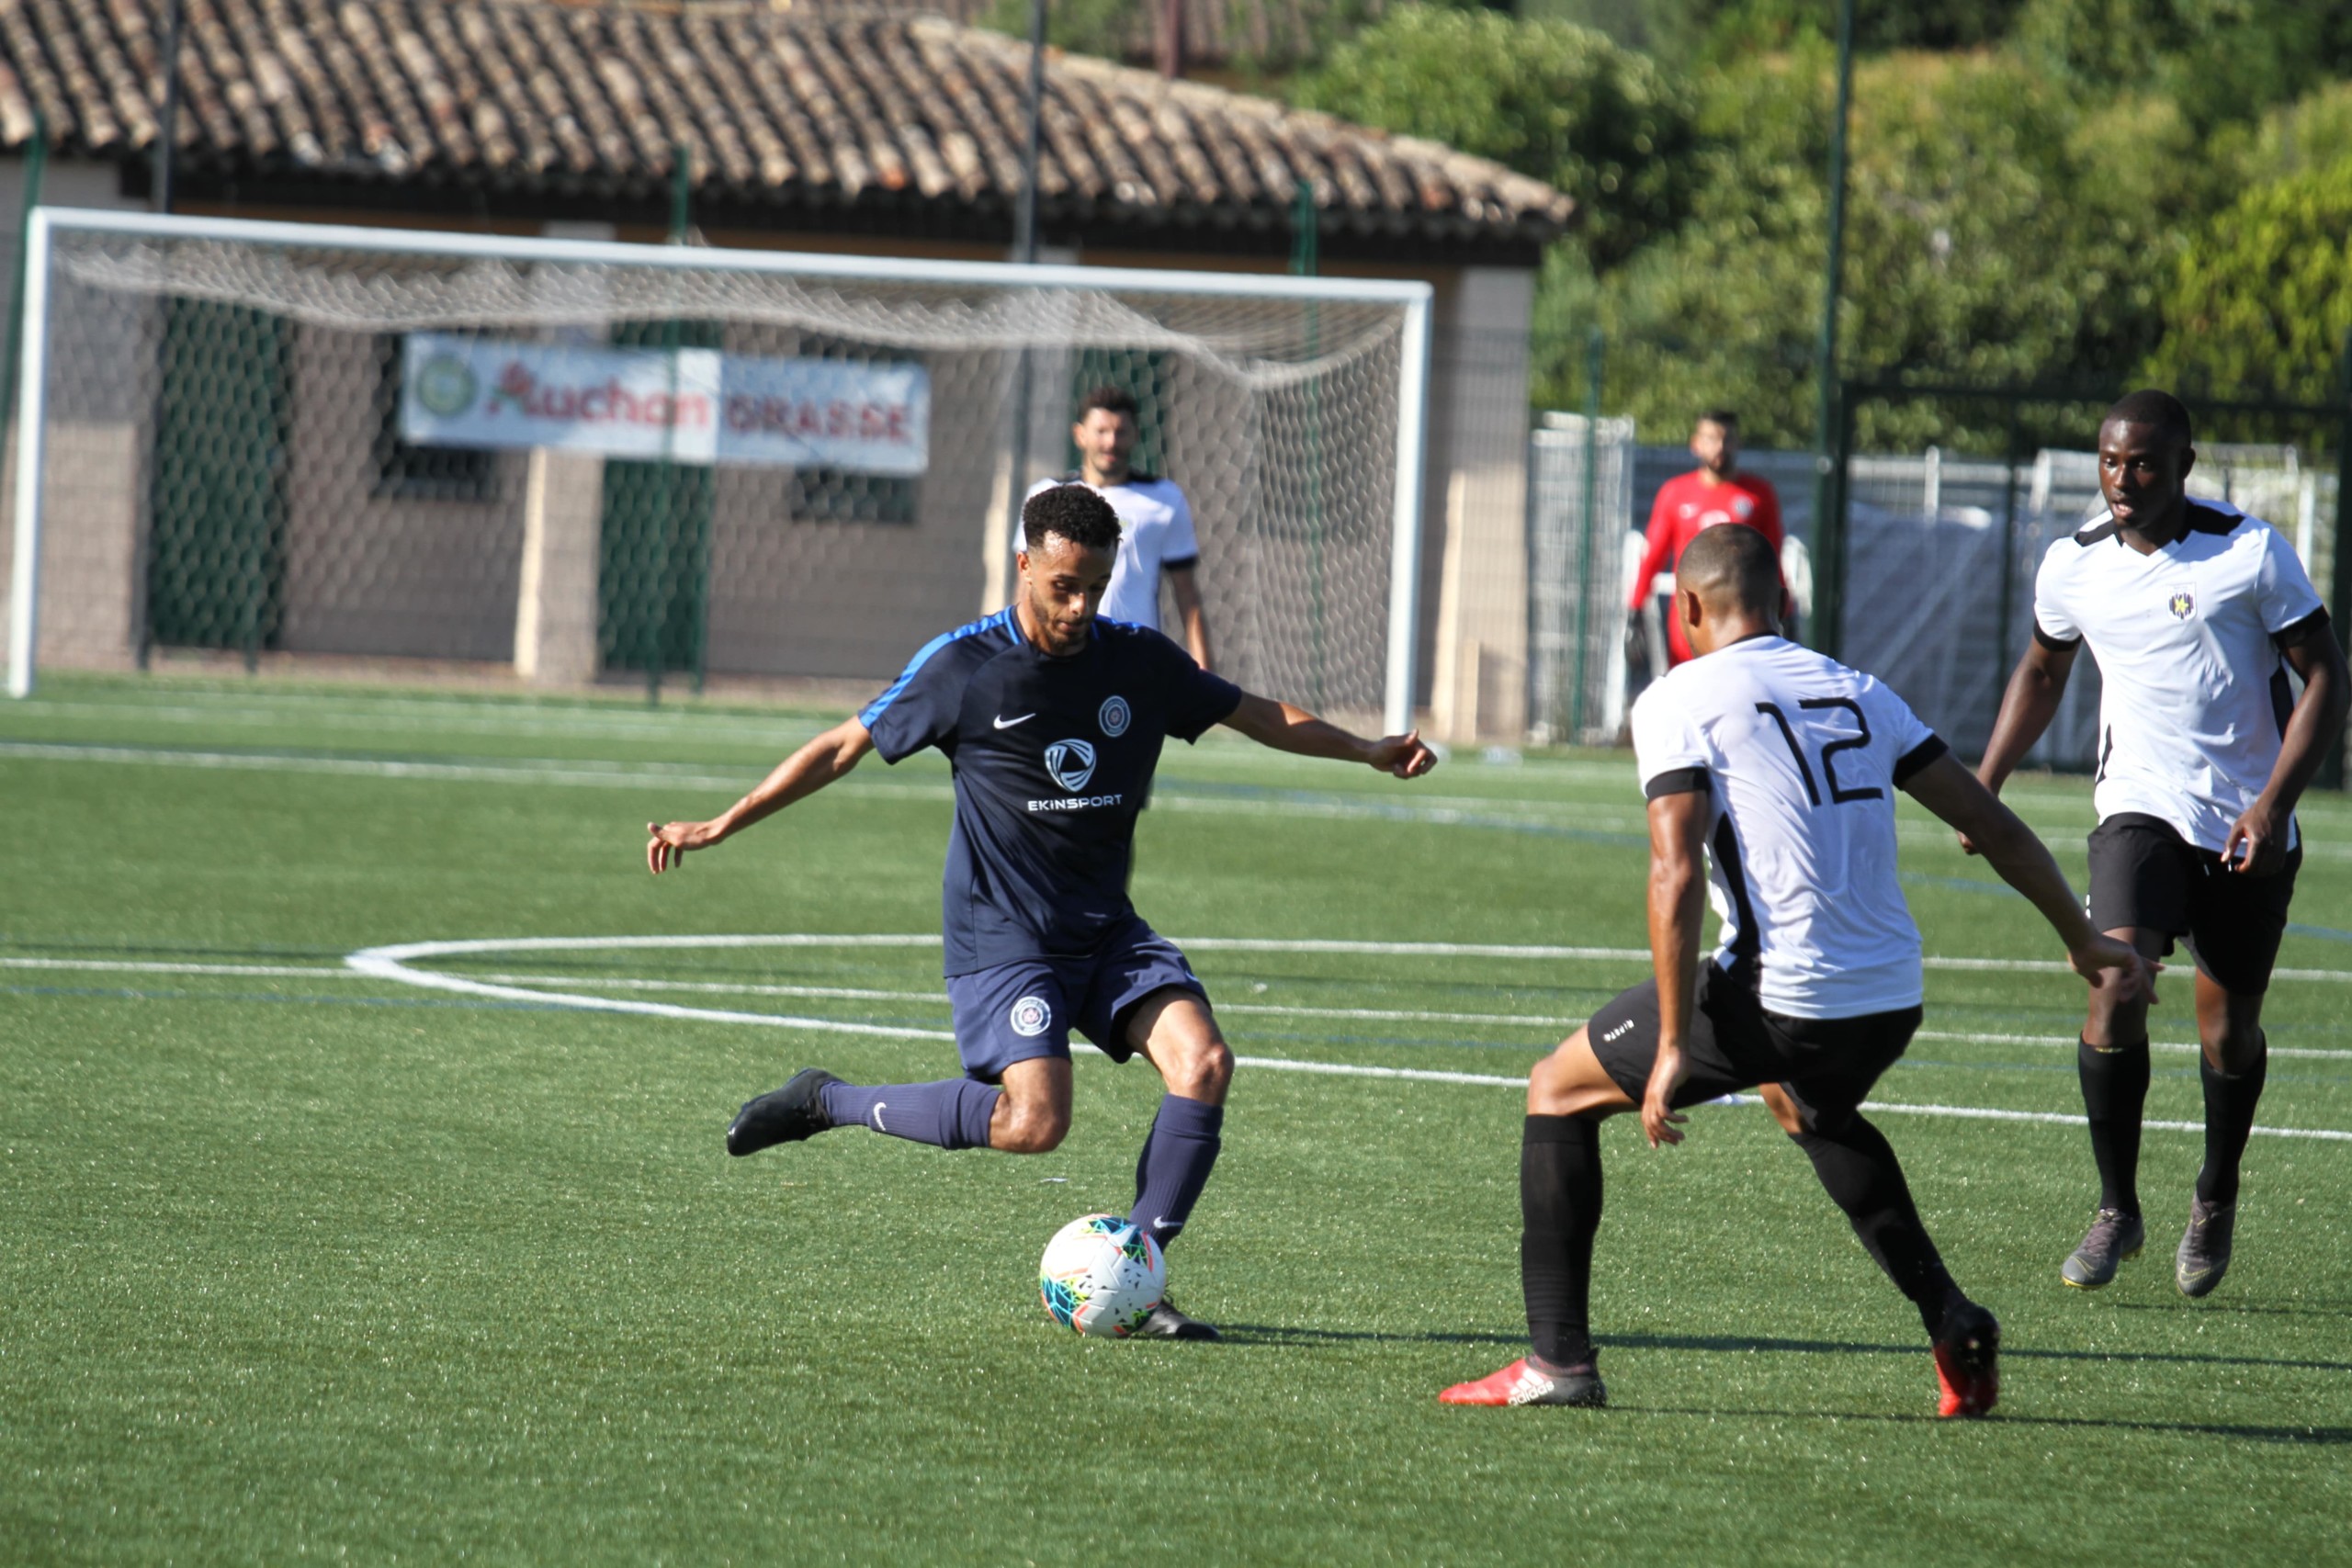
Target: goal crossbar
{"x":1411,"y":298}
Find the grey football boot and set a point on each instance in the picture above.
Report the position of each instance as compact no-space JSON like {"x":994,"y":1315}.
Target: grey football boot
{"x":2204,"y":1255}
{"x":2114,"y":1236}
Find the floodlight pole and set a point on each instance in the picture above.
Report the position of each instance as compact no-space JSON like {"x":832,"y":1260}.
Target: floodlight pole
{"x":1829,"y":504}
{"x":1024,"y":250}
{"x":2331,"y":767}
{"x":167,"y":124}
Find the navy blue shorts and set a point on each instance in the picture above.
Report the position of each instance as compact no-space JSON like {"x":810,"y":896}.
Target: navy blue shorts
{"x":1016,"y":1012}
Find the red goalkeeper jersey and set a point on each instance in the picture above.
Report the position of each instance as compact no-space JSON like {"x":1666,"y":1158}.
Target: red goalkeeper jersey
{"x":1688,"y":502}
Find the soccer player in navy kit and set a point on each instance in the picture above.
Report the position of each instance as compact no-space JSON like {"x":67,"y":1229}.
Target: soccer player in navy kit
{"x":1053,"y":720}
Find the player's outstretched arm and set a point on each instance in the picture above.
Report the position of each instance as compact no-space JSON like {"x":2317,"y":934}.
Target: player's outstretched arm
{"x":2257,"y":844}
{"x":1954,"y":794}
{"x":1288,"y":728}
{"x":802,"y":775}
{"x":1677,"y":904}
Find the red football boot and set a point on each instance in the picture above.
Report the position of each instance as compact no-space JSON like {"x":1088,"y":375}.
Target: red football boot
{"x":1968,"y":1361}
{"x":1522,"y":1384}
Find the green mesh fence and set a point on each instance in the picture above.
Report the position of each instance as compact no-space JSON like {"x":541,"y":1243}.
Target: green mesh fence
{"x":223,"y":417}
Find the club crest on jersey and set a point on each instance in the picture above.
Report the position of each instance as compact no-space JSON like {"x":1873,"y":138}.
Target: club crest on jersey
{"x":1071,"y":763}
{"x":1113,"y":716}
{"x":1030,"y":1017}
{"x":2181,"y":605}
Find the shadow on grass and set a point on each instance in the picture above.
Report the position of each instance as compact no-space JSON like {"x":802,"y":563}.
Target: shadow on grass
{"x":2313,"y":1436}
{"x":1271,"y":1333}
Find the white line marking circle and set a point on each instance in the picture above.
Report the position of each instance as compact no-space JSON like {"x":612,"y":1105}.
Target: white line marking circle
{"x":393,"y":962}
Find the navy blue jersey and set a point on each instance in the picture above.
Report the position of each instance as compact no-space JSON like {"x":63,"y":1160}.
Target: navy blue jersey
{"x":1053,"y":757}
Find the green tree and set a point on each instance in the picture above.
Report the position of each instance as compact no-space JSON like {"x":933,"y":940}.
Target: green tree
{"x":2223,"y":60}
{"x":1550,"y":99}
{"x":1999,"y":230}
{"x":2263,"y":296}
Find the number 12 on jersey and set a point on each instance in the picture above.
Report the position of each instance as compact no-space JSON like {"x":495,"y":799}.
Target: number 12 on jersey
{"x":1838,"y":793}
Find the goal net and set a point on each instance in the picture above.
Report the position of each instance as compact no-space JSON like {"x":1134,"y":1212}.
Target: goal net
{"x":601,"y":462}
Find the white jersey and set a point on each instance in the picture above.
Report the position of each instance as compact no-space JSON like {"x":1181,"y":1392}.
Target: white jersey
{"x":2194,"y":699}
{"x":1155,"y":532}
{"x":1800,"y":758}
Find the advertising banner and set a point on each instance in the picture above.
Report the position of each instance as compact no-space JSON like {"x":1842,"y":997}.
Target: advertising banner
{"x":634,"y":403}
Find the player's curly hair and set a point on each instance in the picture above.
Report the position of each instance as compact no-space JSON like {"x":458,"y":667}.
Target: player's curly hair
{"x":1110,"y":399}
{"x":1074,"y":511}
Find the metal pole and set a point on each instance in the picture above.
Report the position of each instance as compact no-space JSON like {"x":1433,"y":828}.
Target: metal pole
{"x":1404,"y":518}
{"x":1594,"y":347}
{"x":167,"y":123}
{"x":24,"y":586}
{"x":2009,"y":560}
{"x":1025,"y":211}
{"x":36,"y":165}
{"x":2340,"y":573}
{"x":1829,"y":534}
{"x":1024,"y":250}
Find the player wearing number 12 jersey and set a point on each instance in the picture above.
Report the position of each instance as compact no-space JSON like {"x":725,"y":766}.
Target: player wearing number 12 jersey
{"x":1779,"y":766}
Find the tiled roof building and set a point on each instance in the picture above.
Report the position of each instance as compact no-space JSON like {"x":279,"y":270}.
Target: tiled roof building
{"x":881,"y":123}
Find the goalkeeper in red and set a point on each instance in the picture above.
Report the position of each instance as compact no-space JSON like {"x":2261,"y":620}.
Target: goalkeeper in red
{"x":1771,"y":771}
{"x":2196,"y":612}
{"x":1053,"y":718}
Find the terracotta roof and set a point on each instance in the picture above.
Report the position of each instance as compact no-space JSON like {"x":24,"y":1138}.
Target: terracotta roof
{"x":899,"y":122}
{"x":1217,"y":32}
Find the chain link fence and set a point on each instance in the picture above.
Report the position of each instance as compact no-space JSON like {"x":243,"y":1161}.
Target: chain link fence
{"x":1925,"y":578}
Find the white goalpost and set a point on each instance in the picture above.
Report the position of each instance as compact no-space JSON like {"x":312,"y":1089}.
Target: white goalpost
{"x":598,"y":461}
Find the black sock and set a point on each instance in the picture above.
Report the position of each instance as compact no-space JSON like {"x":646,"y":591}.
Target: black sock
{"x":1861,"y":1173}
{"x":2115,"y":1087}
{"x":2229,"y":1099}
{"x":1559,"y":1206}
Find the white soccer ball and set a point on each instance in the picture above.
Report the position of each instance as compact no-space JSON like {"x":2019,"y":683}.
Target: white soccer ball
{"x":1101,"y":1275}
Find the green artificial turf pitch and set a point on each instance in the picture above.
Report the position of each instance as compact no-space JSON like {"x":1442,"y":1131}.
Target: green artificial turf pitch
{"x":305,"y":1262}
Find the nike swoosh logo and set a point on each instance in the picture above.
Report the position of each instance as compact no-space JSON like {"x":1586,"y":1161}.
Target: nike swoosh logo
{"x":877,"y":1115}
{"x":1003,"y":723}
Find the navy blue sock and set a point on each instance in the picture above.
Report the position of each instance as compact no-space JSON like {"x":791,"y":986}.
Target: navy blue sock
{"x":953,"y":1113}
{"x":1177,"y":1158}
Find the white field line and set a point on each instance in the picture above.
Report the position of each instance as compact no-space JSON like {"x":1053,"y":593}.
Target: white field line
{"x":143,"y":966}
{"x":2067,"y":1043}
{"x":1435,"y":811}
{"x":392,"y":963}
{"x":861,"y":994}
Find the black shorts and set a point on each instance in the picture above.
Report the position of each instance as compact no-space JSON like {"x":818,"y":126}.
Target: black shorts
{"x":2145,"y":874}
{"x":1827,"y":1064}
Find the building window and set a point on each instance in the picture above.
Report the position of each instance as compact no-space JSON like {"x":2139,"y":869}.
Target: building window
{"x":421,"y":473}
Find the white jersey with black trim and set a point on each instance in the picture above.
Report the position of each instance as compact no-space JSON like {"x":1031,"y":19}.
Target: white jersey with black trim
{"x":2195,"y":697}
{"x":1155,"y":532}
{"x":1800,"y":758}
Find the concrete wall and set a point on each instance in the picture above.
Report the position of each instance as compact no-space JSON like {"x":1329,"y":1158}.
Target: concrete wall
{"x":1475,"y":530}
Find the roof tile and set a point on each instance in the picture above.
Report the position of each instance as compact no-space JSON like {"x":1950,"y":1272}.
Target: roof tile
{"x":785,"y":107}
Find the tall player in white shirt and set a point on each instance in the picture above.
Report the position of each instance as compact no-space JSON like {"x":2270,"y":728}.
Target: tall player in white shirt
{"x":1155,"y":535}
{"x":2195,"y":612}
{"x":1779,"y":766}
